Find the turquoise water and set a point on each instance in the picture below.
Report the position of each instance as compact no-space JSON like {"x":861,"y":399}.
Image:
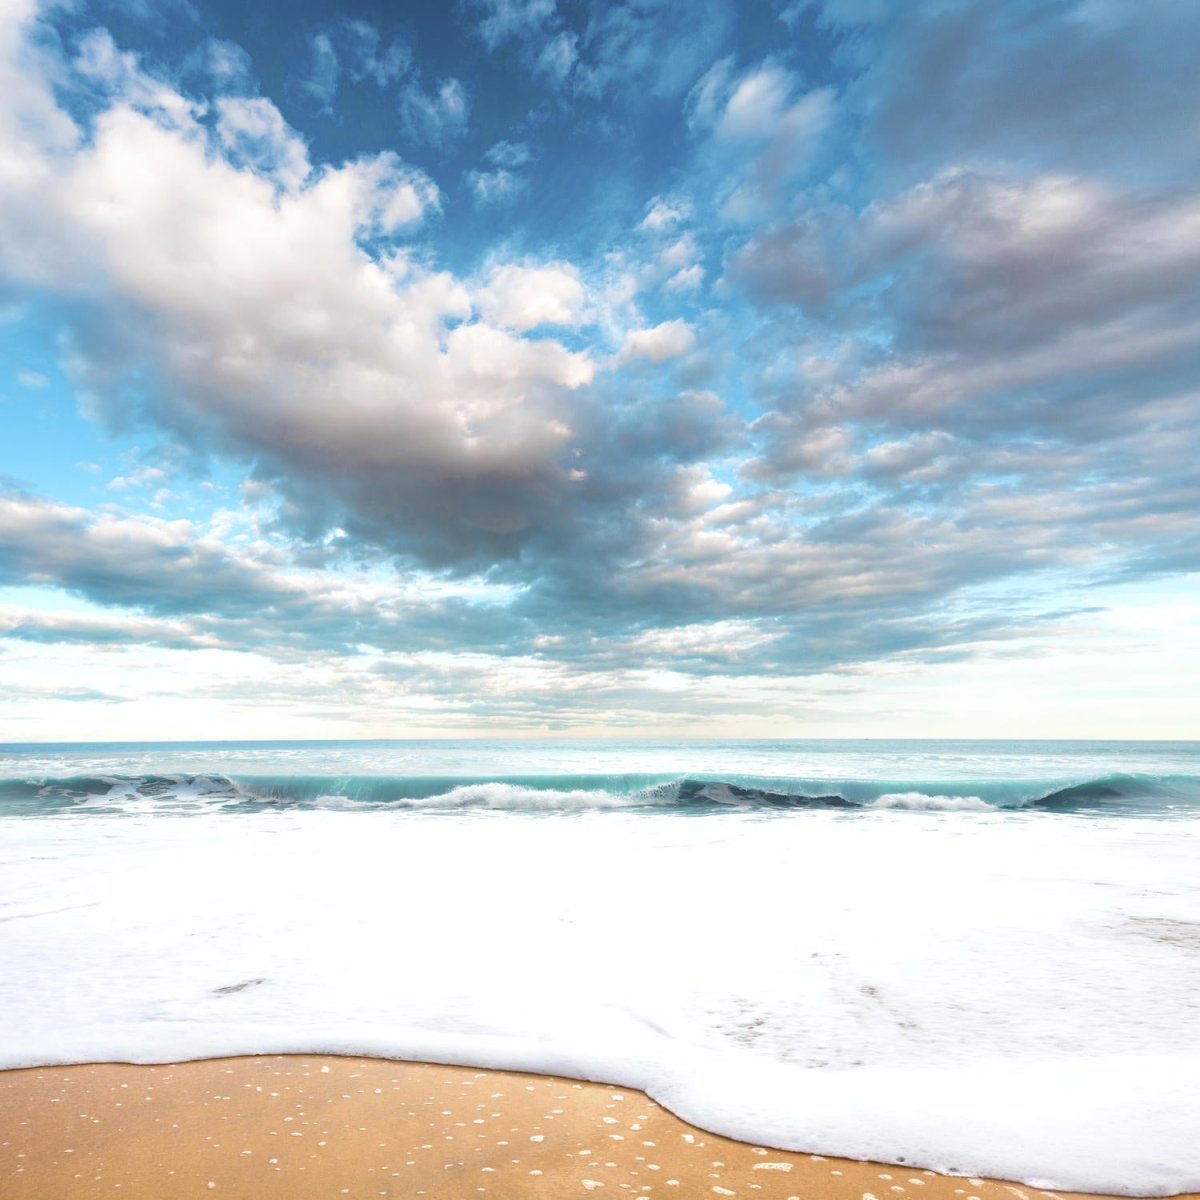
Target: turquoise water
{"x":1117,"y":778}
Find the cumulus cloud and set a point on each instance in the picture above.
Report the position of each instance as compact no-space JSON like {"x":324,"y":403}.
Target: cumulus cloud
{"x":119,"y":76}
{"x":798,"y":446}
{"x":919,"y":453}
{"x":262,"y":327}
{"x":253,"y":132}
{"x":669,"y":339}
{"x":522,"y":297}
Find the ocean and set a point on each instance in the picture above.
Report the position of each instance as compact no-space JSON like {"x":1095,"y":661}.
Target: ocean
{"x":977,"y":957}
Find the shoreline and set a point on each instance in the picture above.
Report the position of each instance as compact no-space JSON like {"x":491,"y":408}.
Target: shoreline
{"x":309,"y":1126}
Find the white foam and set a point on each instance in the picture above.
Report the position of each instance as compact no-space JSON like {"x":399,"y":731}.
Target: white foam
{"x":508,"y":796}
{"x":921,"y":802}
{"x":1021,"y":1006}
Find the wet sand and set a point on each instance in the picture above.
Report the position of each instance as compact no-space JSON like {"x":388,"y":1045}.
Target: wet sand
{"x":314,"y":1128}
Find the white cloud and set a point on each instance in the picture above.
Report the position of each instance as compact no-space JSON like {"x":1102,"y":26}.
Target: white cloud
{"x":120,"y":75}
{"x":659,"y":343}
{"x":483,"y":352}
{"x":663,"y":214}
{"x":496,"y":187}
{"x":258,"y":323}
{"x":686,"y":279}
{"x":137,"y":478}
{"x":755,"y":103}
{"x":522,"y":297}
{"x":763,"y":133}
{"x":226,"y":64}
{"x":382,"y":193}
{"x":680,"y":253}
{"x":504,"y":181}
{"x":254,"y":132}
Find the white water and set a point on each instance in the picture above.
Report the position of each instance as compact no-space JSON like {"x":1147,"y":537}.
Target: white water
{"x":1007,"y":994}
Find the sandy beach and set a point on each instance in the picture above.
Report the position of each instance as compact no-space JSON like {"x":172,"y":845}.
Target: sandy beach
{"x":315,"y":1126}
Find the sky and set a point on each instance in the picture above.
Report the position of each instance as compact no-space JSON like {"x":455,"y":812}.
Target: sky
{"x":663,"y":368}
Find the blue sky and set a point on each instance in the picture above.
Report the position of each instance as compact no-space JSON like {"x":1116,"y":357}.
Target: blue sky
{"x":777,"y":368}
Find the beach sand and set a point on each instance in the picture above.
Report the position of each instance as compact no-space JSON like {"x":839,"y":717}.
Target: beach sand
{"x":307,"y":1127}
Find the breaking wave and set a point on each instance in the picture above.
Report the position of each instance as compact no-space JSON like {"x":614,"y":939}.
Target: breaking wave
{"x":1118,"y":794}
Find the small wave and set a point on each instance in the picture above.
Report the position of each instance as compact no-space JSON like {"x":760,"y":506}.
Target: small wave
{"x":1110,"y":790}
{"x":501,"y":796}
{"x":112,"y":792}
{"x":692,"y":791}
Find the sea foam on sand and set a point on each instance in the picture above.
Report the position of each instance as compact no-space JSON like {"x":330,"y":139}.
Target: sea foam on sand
{"x":1002,"y":995}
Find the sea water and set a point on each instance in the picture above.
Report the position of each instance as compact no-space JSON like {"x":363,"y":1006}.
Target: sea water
{"x":975,"y":957}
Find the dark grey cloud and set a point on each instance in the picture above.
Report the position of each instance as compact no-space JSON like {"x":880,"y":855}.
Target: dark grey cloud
{"x":125,"y":561}
{"x":29,"y":625}
{"x":1004,"y":307}
{"x":993,"y":316}
{"x":1107,"y":88}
